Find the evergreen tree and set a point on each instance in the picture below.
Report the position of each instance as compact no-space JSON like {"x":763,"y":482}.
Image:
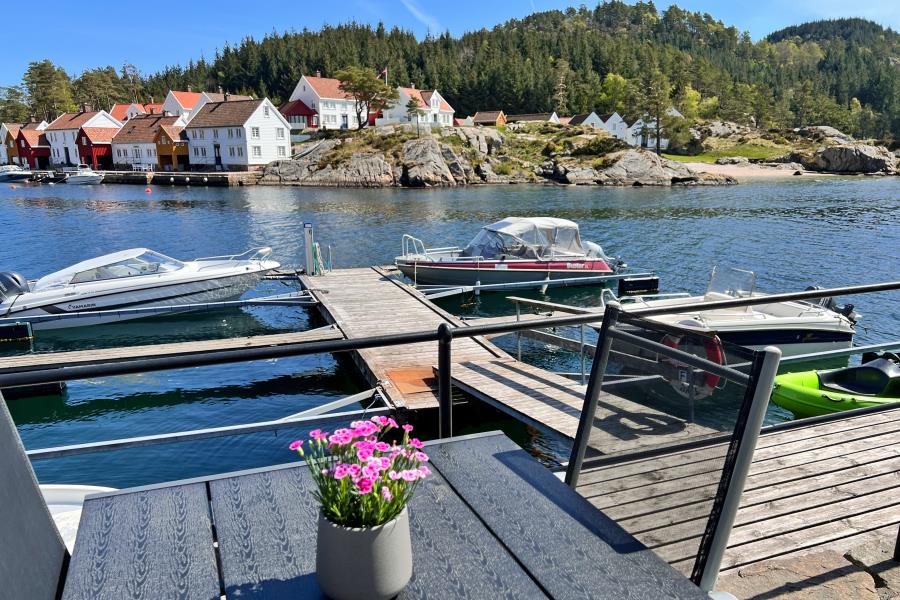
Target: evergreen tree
{"x":49,"y":90}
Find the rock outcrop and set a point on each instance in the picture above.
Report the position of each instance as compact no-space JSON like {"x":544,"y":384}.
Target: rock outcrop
{"x":424,"y":164}
{"x":853,"y":158}
{"x":634,"y":168}
{"x":733,"y":160}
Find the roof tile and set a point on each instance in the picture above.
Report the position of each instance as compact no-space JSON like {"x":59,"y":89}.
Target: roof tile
{"x":224,"y":114}
{"x":142,"y":129}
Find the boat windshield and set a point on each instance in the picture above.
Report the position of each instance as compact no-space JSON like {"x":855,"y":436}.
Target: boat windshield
{"x":535,"y":238}
{"x":731,"y":282}
{"x":148,"y":263}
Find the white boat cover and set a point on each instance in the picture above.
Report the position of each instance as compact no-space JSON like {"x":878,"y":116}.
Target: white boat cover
{"x":65,"y":276}
{"x":527,"y":237}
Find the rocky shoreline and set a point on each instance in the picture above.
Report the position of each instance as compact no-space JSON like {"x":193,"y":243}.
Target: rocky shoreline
{"x":462,"y":156}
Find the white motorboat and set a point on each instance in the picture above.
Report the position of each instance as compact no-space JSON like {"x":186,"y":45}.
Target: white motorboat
{"x":65,"y":503}
{"x":14,"y":173}
{"x":795,"y":327}
{"x":84,"y":175}
{"x":513,"y":250}
{"x":128,"y":279}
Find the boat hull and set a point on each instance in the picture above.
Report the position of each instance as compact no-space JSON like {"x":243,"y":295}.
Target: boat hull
{"x":84,"y":179}
{"x":191,"y":292}
{"x":498,"y":272}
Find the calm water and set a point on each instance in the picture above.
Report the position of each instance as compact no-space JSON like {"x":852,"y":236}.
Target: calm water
{"x":792,"y":234}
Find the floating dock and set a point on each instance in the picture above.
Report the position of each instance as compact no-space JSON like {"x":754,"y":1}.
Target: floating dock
{"x":830,"y":485}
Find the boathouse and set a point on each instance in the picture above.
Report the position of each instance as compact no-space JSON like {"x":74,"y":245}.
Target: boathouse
{"x":95,"y":146}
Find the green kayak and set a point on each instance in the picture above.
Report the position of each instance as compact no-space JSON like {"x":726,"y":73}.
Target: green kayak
{"x":814,"y":393}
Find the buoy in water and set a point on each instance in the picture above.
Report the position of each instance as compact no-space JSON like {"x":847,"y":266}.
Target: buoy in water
{"x":205,"y":180}
{"x":12,"y":187}
{"x":147,"y":190}
{"x":187,"y":179}
{"x":171,"y":180}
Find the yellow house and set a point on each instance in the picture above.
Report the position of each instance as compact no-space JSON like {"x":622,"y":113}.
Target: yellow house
{"x":492,"y":118}
{"x":172,"y":148}
{"x":10,"y":150}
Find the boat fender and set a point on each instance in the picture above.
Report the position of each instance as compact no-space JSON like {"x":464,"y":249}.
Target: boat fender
{"x":712,"y":347}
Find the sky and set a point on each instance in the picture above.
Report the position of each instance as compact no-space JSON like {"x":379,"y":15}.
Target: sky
{"x":77,"y":37}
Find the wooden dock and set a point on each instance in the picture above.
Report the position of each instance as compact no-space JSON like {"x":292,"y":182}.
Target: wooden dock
{"x":829,"y":485}
{"x":37,"y":361}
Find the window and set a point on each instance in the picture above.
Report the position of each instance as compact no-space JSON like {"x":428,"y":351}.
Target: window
{"x":230,"y":133}
{"x":254,"y":133}
{"x":202,"y":132}
{"x":84,"y":140}
{"x":231,"y":151}
{"x":147,"y":263}
{"x":202,"y":151}
{"x":266,"y":111}
{"x":257,"y":151}
{"x":279,"y":133}
{"x":215,"y":134}
{"x":237,"y":132}
{"x":194,"y":133}
{"x":281,"y":151}
{"x":22,"y":142}
{"x":136,"y":152}
{"x":196,"y":151}
{"x":240,"y":151}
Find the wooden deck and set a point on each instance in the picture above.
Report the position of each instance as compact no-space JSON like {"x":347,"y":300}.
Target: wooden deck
{"x":549,"y":401}
{"x":368,"y":302}
{"x":828,"y":485}
{"x":30,"y":362}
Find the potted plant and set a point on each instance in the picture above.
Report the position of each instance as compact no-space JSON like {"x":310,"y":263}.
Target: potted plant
{"x":363,"y":484}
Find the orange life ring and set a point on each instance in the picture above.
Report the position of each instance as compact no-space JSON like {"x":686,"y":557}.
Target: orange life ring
{"x":712,"y":346}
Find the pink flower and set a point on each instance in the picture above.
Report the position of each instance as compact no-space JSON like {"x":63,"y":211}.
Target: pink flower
{"x":386,"y":493}
{"x":370,"y":472}
{"x":385,"y":463}
{"x":416,"y":443}
{"x":384,"y":421}
{"x":421,"y":456}
{"x":296,"y":444}
{"x":382,"y":446}
{"x":394,"y":475}
{"x":341,"y":470}
{"x":364,"y":429}
{"x":364,"y":454}
{"x":318,"y":434}
{"x":407,"y":428}
{"x":409,"y":475}
{"x":424,"y":471}
{"x":354,"y":470}
{"x":364,"y":485}
{"x":392,"y":423}
{"x":341,"y":437}
{"x":364,"y":444}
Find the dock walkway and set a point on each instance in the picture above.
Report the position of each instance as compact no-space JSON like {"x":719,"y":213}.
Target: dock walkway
{"x":830,"y":485}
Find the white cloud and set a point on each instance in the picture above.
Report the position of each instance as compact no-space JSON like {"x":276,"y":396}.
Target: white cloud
{"x":433,"y":25}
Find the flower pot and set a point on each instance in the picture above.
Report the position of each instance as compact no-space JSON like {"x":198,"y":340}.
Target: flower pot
{"x":354,"y":563}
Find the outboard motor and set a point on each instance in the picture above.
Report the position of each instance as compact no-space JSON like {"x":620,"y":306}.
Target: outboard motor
{"x":593,"y":250}
{"x":11,"y":285}
{"x":831,"y":304}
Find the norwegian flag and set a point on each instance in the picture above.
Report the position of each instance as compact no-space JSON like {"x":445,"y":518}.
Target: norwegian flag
{"x":383,"y":73}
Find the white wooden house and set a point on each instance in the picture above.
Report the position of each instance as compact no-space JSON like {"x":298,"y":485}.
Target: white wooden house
{"x":62,"y":133}
{"x":335,"y":108}
{"x":616,"y":126}
{"x":237,"y":135}
{"x":434,"y":110}
{"x":134,"y":146}
{"x":186,"y":104}
{"x":533,"y":118}
{"x":642,"y":132}
{"x":589,"y":120}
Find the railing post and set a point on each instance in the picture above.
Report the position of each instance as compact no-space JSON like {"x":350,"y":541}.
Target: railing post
{"x":518,"y":333}
{"x":581,"y":352}
{"x":592,"y":395}
{"x":761,"y":394}
{"x":445,"y":385}
{"x":896,"y":545}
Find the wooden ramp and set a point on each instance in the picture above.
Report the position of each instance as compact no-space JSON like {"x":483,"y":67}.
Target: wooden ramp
{"x":369,"y":302}
{"x":829,"y":485}
{"x":549,"y":401}
{"x":30,"y":362}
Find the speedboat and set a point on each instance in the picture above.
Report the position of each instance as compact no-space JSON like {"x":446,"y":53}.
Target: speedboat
{"x":135,"y":278}
{"x":84,"y":175}
{"x":514,"y":250}
{"x":795,"y":327}
{"x":65,"y":503}
{"x":812,"y":393}
{"x":14,"y":173}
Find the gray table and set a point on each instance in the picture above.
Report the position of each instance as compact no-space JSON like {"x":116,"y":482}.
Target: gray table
{"x":490,"y":523}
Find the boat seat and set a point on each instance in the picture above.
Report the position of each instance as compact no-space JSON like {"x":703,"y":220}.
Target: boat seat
{"x":875,"y":378}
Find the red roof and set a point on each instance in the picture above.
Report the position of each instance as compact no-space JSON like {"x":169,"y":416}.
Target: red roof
{"x":33,"y":137}
{"x":187,"y":99}
{"x":71,"y":120}
{"x":13,"y":128}
{"x":426,"y":95}
{"x":99,"y":135}
{"x":296,"y":108}
{"x":423,"y":97}
{"x":154,"y":109}
{"x":119,"y":112}
{"x":142,"y":129}
{"x":327,"y":87}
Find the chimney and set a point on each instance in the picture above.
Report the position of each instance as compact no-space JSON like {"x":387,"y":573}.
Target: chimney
{"x":220,"y":89}
{"x":190,"y":89}
{"x":31,"y":119}
{"x":151,"y":100}
{"x":85,"y":107}
{"x":227,"y":95}
{"x":412,"y":85}
{"x":318,"y":73}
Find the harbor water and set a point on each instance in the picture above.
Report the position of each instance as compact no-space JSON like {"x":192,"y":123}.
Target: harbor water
{"x":792,"y":233}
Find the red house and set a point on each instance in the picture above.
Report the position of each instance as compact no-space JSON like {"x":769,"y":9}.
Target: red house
{"x":95,"y":146}
{"x":34,"y":149}
{"x":299,"y":115}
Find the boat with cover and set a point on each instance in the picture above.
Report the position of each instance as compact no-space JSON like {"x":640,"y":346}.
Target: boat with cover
{"x":796,"y":327}
{"x":128,"y":279}
{"x":814,"y":393}
{"x":513,"y":250}
{"x":84,"y":175}
{"x":14,"y":173}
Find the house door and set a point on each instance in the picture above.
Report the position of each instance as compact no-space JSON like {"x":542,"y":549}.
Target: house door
{"x":68,"y":161}
{"x":217,"y":150}
{"x":344,"y":123}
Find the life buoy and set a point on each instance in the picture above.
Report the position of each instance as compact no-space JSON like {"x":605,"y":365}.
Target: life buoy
{"x":712,"y":347}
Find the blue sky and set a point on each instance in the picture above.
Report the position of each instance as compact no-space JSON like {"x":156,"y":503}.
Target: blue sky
{"x":78,"y":37}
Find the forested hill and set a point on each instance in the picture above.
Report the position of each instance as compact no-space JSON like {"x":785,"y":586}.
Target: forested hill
{"x":844,"y":73}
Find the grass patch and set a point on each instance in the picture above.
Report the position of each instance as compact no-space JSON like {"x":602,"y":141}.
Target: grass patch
{"x":751,"y":151}
{"x":503,"y":168}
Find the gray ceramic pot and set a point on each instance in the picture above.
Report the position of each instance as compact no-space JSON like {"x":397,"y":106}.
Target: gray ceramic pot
{"x":364,"y":563}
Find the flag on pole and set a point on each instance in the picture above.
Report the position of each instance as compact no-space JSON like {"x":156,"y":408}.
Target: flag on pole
{"x":384,"y":72}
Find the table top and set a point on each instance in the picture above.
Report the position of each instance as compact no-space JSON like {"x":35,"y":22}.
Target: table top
{"x":490,"y":522}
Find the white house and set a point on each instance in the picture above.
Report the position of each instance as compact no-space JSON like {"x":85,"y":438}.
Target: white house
{"x":533,"y":117}
{"x":186,"y":104}
{"x":590,"y":120}
{"x":62,"y":133}
{"x":134,"y":146}
{"x":642,"y":132}
{"x":237,"y":135}
{"x":336,"y":109}
{"x":434,"y":110}
{"x":616,"y":126}
{"x":123,"y":112}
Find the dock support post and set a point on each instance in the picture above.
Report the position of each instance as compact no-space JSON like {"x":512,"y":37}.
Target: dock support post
{"x":518,"y":334}
{"x":591,"y":395}
{"x":764,"y":382}
{"x":308,"y":241}
{"x":445,"y":384}
{"x":897,"y":547}
{"x":581,"y":353}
